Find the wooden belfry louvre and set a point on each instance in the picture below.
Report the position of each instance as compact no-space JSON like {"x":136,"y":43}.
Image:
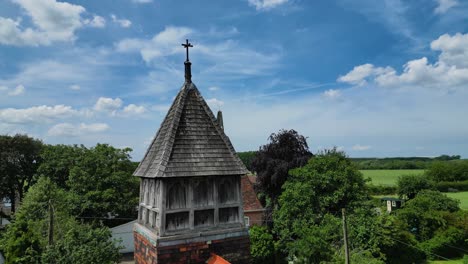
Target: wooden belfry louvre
{"x":190,"y":180}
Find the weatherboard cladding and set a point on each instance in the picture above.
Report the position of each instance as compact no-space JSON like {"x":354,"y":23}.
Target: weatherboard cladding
{"x":190,"y":142}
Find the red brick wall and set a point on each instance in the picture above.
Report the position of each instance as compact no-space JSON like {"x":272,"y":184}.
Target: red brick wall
{"x":235,"y":250}
{"x":255,"y":218}
{"x":145,"y":253}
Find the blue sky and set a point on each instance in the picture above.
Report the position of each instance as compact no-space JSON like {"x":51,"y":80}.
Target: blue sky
{"x":374,"y":78}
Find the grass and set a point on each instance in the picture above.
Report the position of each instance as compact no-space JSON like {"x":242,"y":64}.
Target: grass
{"x":462,"y":197}
{"x":387,"y":177}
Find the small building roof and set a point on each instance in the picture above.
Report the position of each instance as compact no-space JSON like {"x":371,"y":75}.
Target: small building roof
{"x":190,"y":142}
{"x":249,"y":198}
{"x":391,"y":199}
{"x":215,"y":259}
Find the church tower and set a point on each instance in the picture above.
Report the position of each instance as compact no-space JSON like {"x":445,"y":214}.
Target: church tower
{"x":190,"y":192}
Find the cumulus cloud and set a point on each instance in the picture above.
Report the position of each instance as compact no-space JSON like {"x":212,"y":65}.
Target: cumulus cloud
{"x":162,"y":44}
{"x":361,"y":147}
{"x":359,"y":74}
{"x":134,"y":109}
{"x":266,"y":4}
{"x":444,"y":5}
{"x":53,"y":21}
{"x":105,"y":104}
{"x":36,"y":114}
{"x":449,"y":72}
{"x":97,"y":21}
{"x":454,"y":49}
{"x":125,"y":23}
{"x":332,"y":93}
{"x":73,"y":130}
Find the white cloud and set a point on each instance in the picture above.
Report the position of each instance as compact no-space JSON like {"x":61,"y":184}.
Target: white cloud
{"x":450,"y":72}
{"x":332,"y":93}
{"x":97,"y":22}
{"x":105,"y":104}
{"x":454,"y":49}
{"x":125,"y":23}
{"x":142,"y":1}
{"x":14,"y":92}
{"x":359,"y":74}
{"x":17,"y":91}
{"x":361,"y":147}
{"x":36,"y":114}
{"x":266,"y":4}
{"x":444,"y":5}
{"x":215,"y":103}
{"x":74,"y":87}
{"x":213,"y":88}
{"x":71,"y":130}
{"x":162,"y":44}
{"x":53,"y":21}
{"x":223,"y":60}
{"x":134,"y":109}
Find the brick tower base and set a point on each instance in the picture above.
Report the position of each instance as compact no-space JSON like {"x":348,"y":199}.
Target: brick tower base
{"x":233,"y":245}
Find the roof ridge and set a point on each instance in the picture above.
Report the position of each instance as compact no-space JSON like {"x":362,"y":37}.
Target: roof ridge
{"x":220,"y":131}
{"x":180,"y":134}
{"x":167,"y":150}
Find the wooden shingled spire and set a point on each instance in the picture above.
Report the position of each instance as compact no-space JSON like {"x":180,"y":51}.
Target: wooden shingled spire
{"x":190,"y":142}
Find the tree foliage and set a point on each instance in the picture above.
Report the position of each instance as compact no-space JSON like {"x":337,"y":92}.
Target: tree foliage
{"x":448,"y":171}
{"x":400,"y":163}
{"x":247,"y":157}
{"x":262,"y":246}
{"x":428,"y":212}
{"x":101,"y":176}
{"x":382,"y":237}
{"x":306,"y":221}
{"x":19,"y":159}
{"x":286,"y":150}
{"x":410,"y":185}
{"x":26,"y":238}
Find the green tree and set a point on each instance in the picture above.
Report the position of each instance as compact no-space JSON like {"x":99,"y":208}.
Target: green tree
{"x":26,"y":238}
{"x":286,"y":150}
{"x":83,"y":244}
{"x":247,"y":158}
{"x":262,"y":246}
{"x":381,"y":237}
{"x":58,"y":160}
{"x":307,"y":221}
{"x":19,"y":159}
{"x":104,"y":181}
{"x":101,"y":176}
{"x":428,"y":212}
{"x":410,"y":185}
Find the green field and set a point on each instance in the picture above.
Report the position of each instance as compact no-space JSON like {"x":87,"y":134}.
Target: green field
{"x":387,"y":177}
{"x":462,"y":197}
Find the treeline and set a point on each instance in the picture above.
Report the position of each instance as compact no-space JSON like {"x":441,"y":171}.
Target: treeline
{"x":400,"y":163}
{"x":444,"y":176}
{"x":395,"y":163}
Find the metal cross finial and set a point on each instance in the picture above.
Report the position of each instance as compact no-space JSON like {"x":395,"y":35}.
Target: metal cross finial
{"x":187,"y":45}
